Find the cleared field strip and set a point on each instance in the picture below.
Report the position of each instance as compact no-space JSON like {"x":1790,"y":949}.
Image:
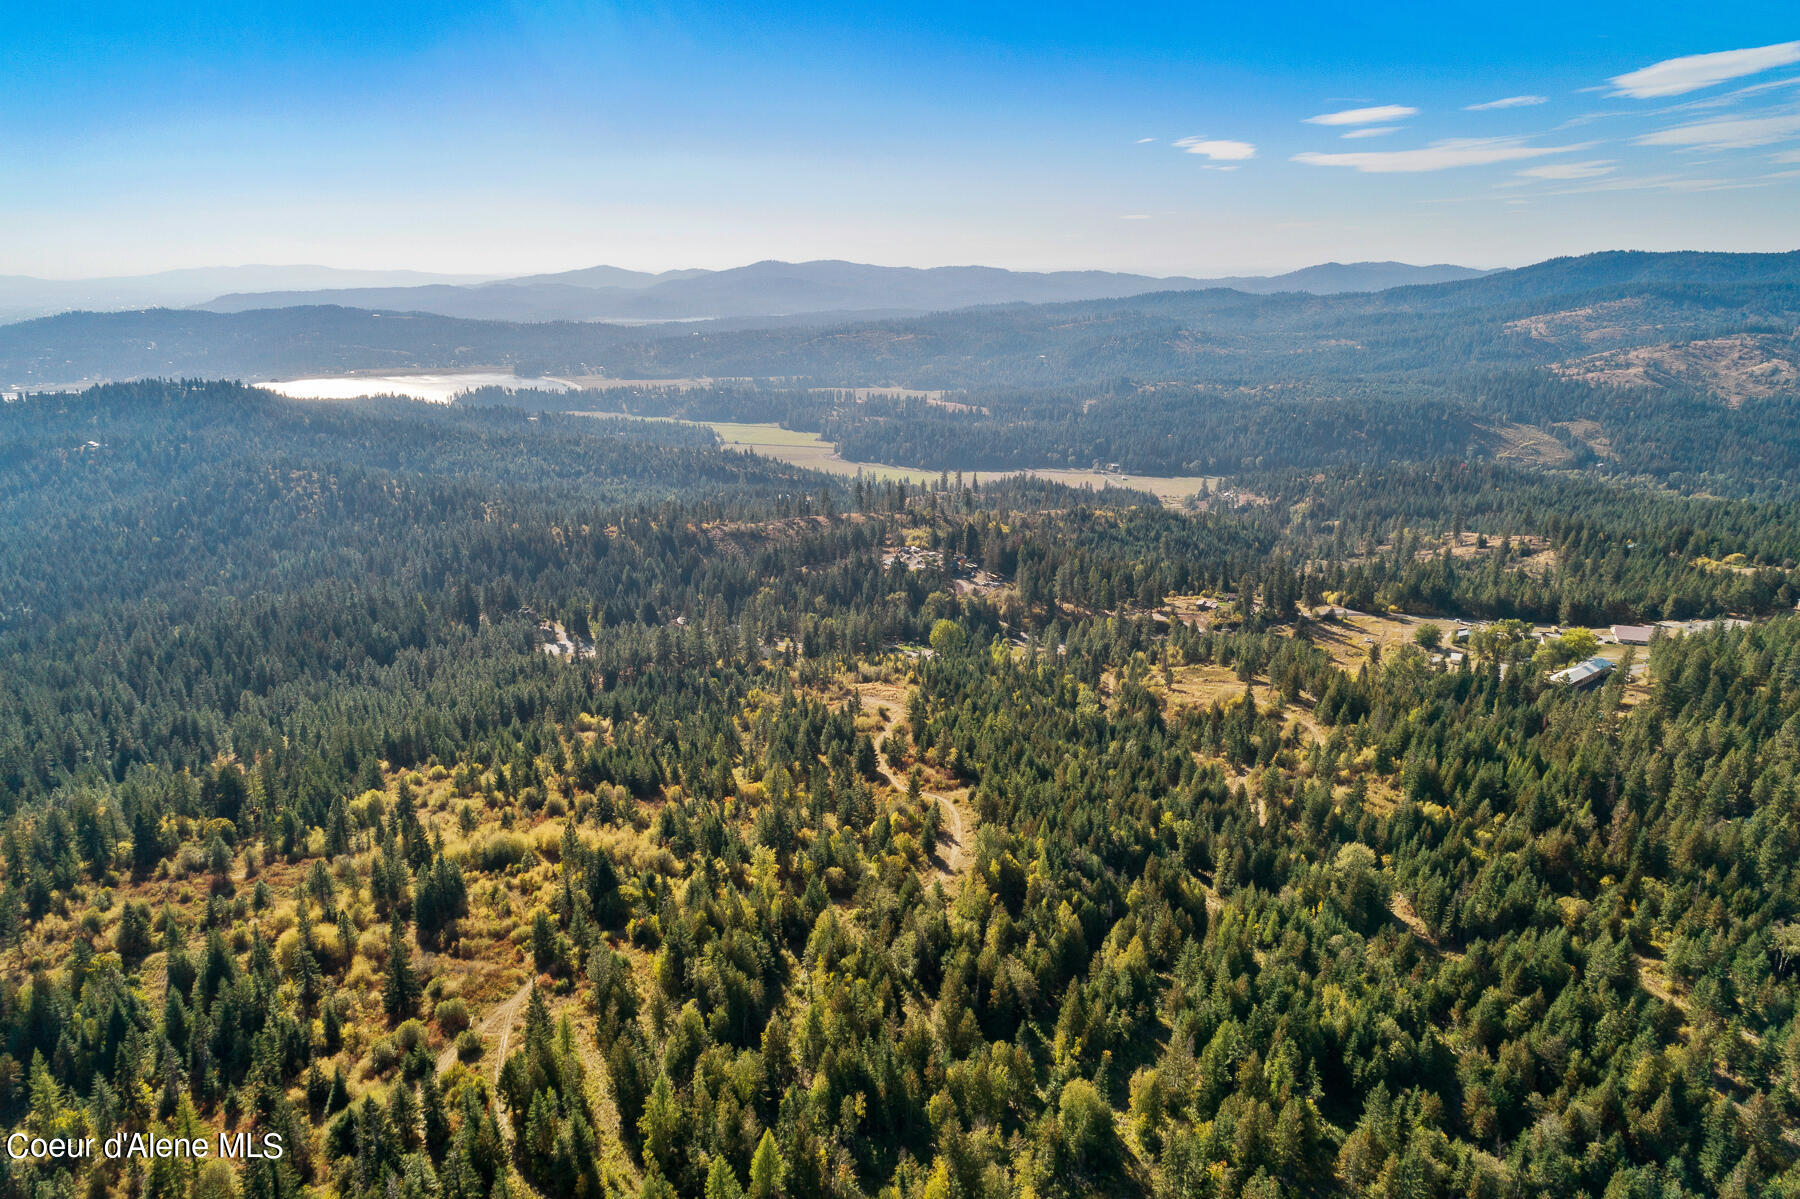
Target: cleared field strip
{"x":813,"y":452}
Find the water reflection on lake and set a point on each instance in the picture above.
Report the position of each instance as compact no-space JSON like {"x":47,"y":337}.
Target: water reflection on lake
{"x":439,"y":388}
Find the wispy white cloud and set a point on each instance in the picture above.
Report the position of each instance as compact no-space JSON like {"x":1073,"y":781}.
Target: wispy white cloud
{"x":1766,"y":85}
{"x":1144,"y":141}
{"x":1678,"y":76}
{"x":1134,"y":216}
{"x":1380,"y":114}
{"x":1594,"y":118}
{"x":1568,"y":170}
{"x":1218,"y":149}
{"x":1785,"y":156}
{"x":1728,"y":98}
{"x":1726,"y":133}
{"x":1369,"y":131}
{"x":1507,"y":102}
{"x":1669,"y":183}
{"x":1439,"y":156}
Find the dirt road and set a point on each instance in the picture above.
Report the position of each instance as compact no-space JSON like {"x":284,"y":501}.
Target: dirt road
{"x":495,"y":1031}
{"x":958,"y":855}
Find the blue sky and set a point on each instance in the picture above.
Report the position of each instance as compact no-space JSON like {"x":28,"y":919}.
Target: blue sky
{"x":1196,"y":139}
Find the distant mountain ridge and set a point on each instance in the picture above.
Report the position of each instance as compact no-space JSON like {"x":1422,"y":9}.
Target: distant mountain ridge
{"x":773,"y":288}
{"x":1553,"y":315}
{"x":23,"y":297}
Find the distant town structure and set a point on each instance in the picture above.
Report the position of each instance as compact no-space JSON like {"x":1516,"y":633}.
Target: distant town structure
{"x":913,"y":558}
{"x":1633,"y":634}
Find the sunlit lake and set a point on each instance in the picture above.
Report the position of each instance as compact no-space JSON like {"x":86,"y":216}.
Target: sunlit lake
{"x":439,"y":388}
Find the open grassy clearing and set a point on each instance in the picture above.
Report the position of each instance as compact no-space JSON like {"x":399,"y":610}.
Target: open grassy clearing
{"x":1533,"y":552}
{"x":813,"y":452}
{"x":1351,"y":637}
{"x":1522,"y":443}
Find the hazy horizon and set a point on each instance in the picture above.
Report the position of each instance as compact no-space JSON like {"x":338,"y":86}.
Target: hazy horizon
{"x":467,"y":278}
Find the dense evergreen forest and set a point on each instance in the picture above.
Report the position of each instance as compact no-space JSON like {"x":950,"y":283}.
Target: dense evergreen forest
{"x":973,"y":839}
{"x":1678,"y":437}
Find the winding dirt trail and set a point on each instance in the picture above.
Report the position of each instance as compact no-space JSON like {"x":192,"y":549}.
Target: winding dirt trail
{"x":959,"y":855}
{"x":495,"y":1030}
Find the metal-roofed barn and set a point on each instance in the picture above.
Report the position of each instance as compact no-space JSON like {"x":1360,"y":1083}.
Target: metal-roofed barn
{"x":1584,"y":674}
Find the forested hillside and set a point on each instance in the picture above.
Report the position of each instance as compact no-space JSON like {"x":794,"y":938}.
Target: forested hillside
{"x":80,"y":347}
{"x":1683,"y":369}
{"x":994,"y":839}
